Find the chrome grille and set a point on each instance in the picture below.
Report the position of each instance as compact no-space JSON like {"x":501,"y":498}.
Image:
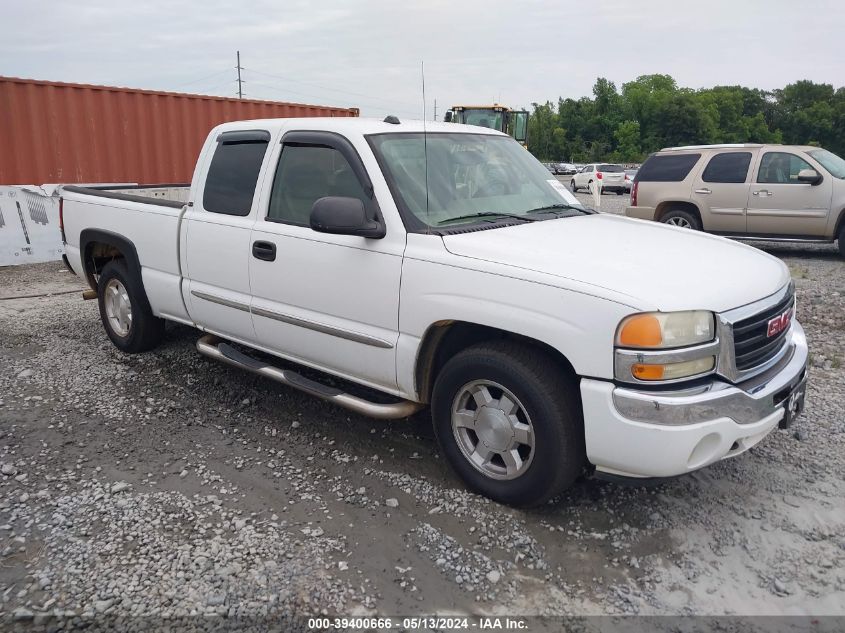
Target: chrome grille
{"x":752,"y":345}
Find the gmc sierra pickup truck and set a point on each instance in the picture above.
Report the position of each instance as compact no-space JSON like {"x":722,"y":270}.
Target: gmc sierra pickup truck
{"x":441,"y":265}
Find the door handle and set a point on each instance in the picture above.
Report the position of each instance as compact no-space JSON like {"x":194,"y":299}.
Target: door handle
{"x":761,"y":192}
{"x":704,"y":190}
{"x":264,"y":250}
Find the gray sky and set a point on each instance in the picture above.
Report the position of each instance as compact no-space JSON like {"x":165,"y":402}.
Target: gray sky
{"x":367,"y":53}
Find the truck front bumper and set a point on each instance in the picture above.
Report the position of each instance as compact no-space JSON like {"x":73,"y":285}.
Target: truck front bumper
{"x":662,"y":433}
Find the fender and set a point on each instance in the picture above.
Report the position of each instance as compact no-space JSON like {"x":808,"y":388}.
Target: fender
{"x":88,"y":237}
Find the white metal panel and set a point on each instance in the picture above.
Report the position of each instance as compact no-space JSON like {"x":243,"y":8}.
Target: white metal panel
{"x":438,"y":286}
{"x":152,"y":229}
{"x":29,"y":226}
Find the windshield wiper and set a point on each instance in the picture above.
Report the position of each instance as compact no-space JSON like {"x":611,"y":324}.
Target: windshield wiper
{"x":487,"y":214}
{"x":559,"y":205}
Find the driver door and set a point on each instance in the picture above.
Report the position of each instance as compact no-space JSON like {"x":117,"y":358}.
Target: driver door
{"x":328,"y":301}
{"x":779,"y":204}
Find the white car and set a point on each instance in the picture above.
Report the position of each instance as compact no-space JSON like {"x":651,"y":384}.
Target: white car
{"x":540,"y":335}
{"x":611,"y":178}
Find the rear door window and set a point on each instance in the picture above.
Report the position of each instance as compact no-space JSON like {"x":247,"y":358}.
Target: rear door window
{"x":727,"y":167}
{"x":233,"y":174}
{"x":667,"y":167}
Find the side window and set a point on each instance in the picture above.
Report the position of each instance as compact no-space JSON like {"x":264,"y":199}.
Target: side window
{"x":520,"y":126}
{"x":588,"y":168}
{"x":667,"y":167}
{"x":306,"y":173}
{"x":727,"y":167}
{"x":781,"y":168}
{"x":233,"y":174}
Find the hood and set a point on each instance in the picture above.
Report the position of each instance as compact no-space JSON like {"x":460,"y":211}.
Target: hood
{"x":647,"y":265}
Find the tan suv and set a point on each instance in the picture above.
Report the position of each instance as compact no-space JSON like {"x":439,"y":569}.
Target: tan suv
{"x":766,"y":192}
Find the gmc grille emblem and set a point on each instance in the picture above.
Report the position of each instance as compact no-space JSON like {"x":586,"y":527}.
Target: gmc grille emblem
{"x":779,"y":324}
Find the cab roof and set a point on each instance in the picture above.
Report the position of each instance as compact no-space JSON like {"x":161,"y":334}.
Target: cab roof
{"x":355,"y":125}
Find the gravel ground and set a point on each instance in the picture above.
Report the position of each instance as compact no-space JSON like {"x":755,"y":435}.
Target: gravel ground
{"x":168,"y":486}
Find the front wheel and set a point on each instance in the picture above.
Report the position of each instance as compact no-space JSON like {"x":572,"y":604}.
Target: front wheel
{"x":842,"y":240}
{"x":125,"y":311}
{"x":572,"y":186}
{"x":508,"y":420}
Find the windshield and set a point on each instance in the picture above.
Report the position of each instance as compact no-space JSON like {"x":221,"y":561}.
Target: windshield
{"x":467,"y":174}
{"x":830,"y":161}
{"x":484,"y":118}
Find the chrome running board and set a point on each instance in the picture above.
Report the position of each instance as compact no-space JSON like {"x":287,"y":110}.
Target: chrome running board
{"x":214,"y":347}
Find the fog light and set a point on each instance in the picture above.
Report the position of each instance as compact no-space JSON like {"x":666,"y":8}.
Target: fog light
{"x":672,"y":371}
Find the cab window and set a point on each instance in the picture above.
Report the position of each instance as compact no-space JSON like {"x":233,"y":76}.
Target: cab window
{"x":306,"y":173}
{"x":230,"y":182}
{"x":781,"y":168}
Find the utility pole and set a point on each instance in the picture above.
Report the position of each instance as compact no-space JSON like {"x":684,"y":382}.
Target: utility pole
{"x":240,"y":68}
{"x":434,"y":118}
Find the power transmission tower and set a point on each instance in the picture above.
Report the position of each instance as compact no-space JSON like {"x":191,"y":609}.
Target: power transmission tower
{"x":434,"y":118}
{"x":240,"y":68}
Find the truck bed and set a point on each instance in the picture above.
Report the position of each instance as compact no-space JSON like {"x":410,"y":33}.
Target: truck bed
{"x":148,"y":217}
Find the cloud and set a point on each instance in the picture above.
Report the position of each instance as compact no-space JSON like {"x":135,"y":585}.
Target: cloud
{"x":367,"y":53}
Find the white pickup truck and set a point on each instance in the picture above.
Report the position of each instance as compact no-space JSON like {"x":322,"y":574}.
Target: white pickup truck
{"x":442,"y":265}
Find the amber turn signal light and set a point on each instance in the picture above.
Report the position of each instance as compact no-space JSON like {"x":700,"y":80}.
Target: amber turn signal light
{"x":641,"y":331}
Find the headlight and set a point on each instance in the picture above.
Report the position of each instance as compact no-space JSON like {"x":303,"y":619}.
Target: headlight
{"x":665,"y":330}
{"x":666,"y":346}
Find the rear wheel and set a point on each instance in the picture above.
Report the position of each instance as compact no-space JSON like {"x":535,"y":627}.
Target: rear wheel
{"x":681,"y":218}
{"x":125,"y":311}
{"x":508,"y":419}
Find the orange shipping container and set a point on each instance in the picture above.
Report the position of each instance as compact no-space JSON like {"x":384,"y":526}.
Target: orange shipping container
{"x":53,"y":132}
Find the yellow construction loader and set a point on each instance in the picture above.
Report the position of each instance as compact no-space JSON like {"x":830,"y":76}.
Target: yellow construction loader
{"x":496,"y":117}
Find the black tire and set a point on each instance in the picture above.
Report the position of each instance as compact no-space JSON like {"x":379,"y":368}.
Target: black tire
{"x":572,"y":186}
{"x":550,"y":398}
{"x":145,"y":330}
{"x":842,"y":240}
{"x":682,"y":216}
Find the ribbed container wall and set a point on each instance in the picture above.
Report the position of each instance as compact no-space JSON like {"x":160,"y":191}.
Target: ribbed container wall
{"x":54,"y":132}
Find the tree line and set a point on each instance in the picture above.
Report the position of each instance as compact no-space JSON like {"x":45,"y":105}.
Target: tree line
{"x":652,"y":112}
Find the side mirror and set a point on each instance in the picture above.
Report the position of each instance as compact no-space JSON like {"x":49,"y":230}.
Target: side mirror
{"x":448,"y":117}
{"x":344,"y":216}
{"x":809,"y":176}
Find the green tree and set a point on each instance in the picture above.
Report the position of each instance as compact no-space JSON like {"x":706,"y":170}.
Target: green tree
{"x":651,"y":112}
{"x":627,"y":136}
